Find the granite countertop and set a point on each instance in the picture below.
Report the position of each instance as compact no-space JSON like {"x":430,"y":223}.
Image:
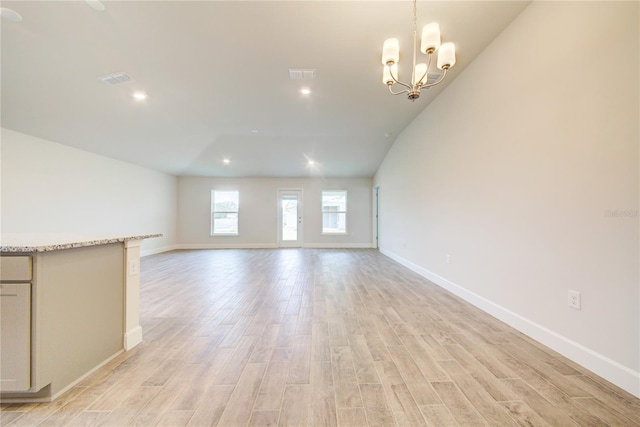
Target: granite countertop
{"x":25,"y":243}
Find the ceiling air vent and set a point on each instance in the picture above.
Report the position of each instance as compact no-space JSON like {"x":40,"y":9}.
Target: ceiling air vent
{"x":432,"y":77}
{"x":301,"y":74}
{"x":116,"y":78}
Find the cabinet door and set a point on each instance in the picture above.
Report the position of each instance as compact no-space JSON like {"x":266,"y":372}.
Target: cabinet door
{"x":15,"y":349}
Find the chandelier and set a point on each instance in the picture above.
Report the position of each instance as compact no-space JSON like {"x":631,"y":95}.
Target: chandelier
{"x":430,"y":43}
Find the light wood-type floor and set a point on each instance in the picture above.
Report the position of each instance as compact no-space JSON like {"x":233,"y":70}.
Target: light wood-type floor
{"x":306,"y":337}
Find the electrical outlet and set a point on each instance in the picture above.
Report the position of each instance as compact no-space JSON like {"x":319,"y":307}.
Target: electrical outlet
{"x":448,"y":259}
{"x":133,"y":267}
{"x":573,"y":299}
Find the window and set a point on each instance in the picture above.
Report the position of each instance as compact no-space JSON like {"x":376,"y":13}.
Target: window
{"x":224,"y":213}
{"x":334,"y":212}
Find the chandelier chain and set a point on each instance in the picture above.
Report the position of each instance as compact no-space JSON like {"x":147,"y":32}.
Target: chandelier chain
{"x":415,"y":17}
{"x":415,"y":36}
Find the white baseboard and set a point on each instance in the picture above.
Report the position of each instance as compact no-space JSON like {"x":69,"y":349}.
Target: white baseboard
{"x":271,"y":246}
{"x":25,"y":398}
{"x":337,"y":245}
{"x":132,"y":338}
{"x":228,"y":246}
{"x":158,"y":250}
{"x":620,"y":375}
{"x":76,"y":382}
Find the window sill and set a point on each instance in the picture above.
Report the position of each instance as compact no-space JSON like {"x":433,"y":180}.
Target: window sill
{"x":224,"y":235}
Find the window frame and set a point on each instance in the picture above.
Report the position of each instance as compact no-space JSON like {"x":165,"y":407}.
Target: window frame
{"x":212,"y":232}
{"x":345,"y":212}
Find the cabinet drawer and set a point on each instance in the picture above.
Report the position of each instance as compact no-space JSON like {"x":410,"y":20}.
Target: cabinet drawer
{"x":15,"y":268}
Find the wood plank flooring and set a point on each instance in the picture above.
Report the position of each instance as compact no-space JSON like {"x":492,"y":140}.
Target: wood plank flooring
{"x":306,"y":337}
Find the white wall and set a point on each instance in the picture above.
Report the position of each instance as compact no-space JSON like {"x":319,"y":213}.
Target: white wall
{"x":50,"y":188}
{"x":515,"y":171}
{"x":258,"y":211}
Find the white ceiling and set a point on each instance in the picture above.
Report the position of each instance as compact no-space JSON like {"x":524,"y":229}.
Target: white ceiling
{"x":215,"y":72}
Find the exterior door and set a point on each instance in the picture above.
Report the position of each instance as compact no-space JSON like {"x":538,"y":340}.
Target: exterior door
{"x":290,"y":218}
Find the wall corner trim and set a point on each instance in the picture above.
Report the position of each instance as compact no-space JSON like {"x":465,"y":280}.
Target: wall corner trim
{"x":620,"y":375}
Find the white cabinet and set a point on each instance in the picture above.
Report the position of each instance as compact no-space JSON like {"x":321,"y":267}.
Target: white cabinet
{"x":15,"y":321}
{"x":62,"y":316}
{"x":66,"y":309}
{"x":15,"y":350}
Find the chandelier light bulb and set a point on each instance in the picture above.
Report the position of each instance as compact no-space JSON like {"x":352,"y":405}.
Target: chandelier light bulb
{"x":387,"y":72}
{"x":390,"y":52}
{"x":447,"y":56}
{"x":430,"y":38}
{"x":420,"y":74}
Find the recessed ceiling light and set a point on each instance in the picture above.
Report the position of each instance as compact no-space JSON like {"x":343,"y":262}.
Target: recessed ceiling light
{"x":95,"y":4}
{"x":10,"y":14}
{"x":140,"y":96}
{"x":305,"y":91}
{"x":311,"y":163}
{"x":226,"y":161}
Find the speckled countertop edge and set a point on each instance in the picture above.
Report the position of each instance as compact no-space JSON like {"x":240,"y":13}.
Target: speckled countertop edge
{"x":75,"y":244}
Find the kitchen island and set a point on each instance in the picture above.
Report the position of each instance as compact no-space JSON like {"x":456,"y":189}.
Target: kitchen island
{"x":69,"y":305}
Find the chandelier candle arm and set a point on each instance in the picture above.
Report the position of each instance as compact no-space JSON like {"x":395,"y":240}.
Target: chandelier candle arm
{"x":423,"y":73}
{"x":429,"y":44}
{"x":393,"y":68}
{"x":397,"y":93}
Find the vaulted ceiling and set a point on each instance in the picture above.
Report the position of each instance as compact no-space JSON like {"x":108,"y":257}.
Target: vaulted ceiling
{"x":216,"y":75}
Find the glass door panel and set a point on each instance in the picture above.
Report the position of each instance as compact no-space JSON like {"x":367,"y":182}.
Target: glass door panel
{"x":290,"y":218}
